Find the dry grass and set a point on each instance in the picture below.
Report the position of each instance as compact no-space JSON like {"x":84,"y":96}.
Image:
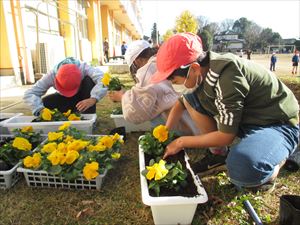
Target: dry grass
{"x":119,"y":201}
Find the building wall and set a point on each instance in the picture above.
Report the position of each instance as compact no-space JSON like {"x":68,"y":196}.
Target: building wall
{"x":105,"y":19}
{"x":5,"y":62}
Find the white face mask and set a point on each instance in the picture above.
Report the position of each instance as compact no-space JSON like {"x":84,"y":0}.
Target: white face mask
{"x":191,"y":90}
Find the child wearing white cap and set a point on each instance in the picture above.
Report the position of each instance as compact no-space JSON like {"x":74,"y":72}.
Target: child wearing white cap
{"x":146,"y":101}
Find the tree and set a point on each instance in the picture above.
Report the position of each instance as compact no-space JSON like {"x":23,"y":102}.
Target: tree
{"x":212,"y":28}
{"x":186,"y":22}
{"x":202,"y":22}
{"x":251,"y":35}
{"x":226,"y":24}
{"x":240,"y":26}
{"x":169,"y":33}
{"x":265,"y":38}
{"x":154,"y":33}
{"x":207,"y":40}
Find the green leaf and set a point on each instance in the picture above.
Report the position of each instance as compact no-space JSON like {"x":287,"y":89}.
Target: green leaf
{"x":55,"y":170}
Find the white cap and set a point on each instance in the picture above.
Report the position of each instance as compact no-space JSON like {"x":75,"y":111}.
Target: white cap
{"x":134,"y":49}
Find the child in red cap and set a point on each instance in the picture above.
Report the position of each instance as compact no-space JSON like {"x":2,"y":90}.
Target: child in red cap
{"x":79,"y":87}
{"x":234,"y":102}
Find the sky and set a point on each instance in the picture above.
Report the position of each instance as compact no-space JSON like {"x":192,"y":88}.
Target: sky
{"x":282,"y":16}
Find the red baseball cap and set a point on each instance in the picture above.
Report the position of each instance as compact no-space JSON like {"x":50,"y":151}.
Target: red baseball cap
{"x":181,"y":49}
{"x":68,"y":80}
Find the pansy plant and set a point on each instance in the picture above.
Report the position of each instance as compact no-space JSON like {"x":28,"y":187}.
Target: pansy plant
{"x":69,"y":153}
{"x":16,"y":148}
{"x":160,"y":173}
{"x":112,"y":83}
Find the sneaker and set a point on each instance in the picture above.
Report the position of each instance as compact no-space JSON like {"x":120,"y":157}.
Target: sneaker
{"x":264,"y":188}
{"x":210,"y":164}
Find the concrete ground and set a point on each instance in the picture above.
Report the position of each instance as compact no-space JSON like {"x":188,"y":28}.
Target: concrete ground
{"x":11,"y":100}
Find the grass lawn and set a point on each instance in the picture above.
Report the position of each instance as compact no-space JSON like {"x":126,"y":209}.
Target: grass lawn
{"x":119,"y":202}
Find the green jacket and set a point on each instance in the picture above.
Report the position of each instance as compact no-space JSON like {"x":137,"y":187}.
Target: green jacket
{"x":238,"y":92}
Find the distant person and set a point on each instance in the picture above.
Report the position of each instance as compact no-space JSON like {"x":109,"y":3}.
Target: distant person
{"x":241,"y":53}
{"x":105,"y":49}
{"x":249,"y":52}
{"x":273,"y":61}
{"x":79,"y":88}
{"x":123,"y":48}
{"x":295,"y":61}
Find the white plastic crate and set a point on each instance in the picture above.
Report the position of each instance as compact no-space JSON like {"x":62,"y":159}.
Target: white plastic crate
{"x":130,"y":127}
{"x":21,"y":121}
{"x":171,"y":209}
{"x":4,"y":117}
{"x":10,"y":177}
{"x":40,"y":178}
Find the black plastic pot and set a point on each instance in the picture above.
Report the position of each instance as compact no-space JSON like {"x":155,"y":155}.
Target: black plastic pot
{"x":289,"y":210}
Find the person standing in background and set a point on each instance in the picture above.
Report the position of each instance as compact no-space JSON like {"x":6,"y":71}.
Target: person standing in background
{"x":105,"y":49}
{"x":295,"y":61}
{"x":123,"y":48}
{"x":273,"y":61}
{"x":249,"y":52}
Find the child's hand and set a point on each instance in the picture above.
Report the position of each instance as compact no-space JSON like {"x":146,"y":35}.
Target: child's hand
{"x":85,"y":104}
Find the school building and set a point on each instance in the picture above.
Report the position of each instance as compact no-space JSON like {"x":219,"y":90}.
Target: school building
{"x":35,"y":35}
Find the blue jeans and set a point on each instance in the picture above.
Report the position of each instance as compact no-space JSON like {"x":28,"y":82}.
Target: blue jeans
{"x":252,"y":160}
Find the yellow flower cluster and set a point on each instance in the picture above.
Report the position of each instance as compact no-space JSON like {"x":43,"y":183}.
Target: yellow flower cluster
{"x":106,"y":79}
{"x":22,"y":144}
{"x":49,"y":115}
{"x":63,"y":149}
{"x":161,"y":133}
{"x":157,"y":171}
{"x":33,"y":161}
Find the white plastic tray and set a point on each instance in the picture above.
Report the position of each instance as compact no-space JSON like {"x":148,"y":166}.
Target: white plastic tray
{"x":40,"y":178}
{"x":22,"y":121}
{"x":130,"y":127}
{"x":6,"y":116}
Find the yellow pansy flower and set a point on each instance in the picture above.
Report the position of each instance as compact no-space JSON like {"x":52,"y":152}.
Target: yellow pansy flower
{"x":151,"y":171}
{"x":22,"y":144}
{"x":62,"y":147}
{"x":26,"y":129}
{"x":117,"y":137}
{"x":161,"y":133}
{"x":106,"y":79}
{"x":116,"y":155}
{"x":106,"y":141}
{"x":161,"y":170}
{"x":71,"y":156}
{"x":64,"y":126}
{"x":77,"y":145}
{"x":99,"y":147}
{"x":68,"y":139}
{"x":54,"y":157}
{"x":47,"y":114}
{"x":73,"y":117}
{"x":53,"y":136}
{"x":50,"y":147}
{"x":37,"y":159}
{"x":66,"y":114}
{"x":157,"y":171}
{"x":90,"y":170}
{"x":32,"y":161}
